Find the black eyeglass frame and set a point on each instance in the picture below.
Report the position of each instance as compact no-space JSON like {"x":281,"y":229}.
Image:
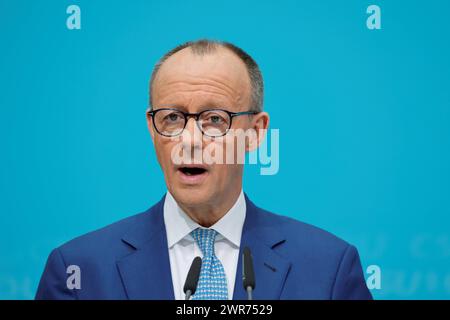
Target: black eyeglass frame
{"x":196,"y":116}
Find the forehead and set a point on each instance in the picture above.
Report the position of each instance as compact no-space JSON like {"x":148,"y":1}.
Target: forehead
{"x":185,"y":70}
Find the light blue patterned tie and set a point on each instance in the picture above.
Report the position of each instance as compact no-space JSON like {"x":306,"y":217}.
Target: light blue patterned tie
{"x":212,"y":284}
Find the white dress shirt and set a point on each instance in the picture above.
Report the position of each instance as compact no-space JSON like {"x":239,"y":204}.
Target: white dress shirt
{"x":183,"y":249}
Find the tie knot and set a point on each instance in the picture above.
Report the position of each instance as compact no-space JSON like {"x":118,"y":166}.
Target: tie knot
{"x":205,"y":240}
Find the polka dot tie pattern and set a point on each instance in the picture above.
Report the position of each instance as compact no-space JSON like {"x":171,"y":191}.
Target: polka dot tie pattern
{"x":212,"y":284}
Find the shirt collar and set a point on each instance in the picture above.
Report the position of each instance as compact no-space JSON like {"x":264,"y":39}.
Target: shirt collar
{"x":179,"y":225}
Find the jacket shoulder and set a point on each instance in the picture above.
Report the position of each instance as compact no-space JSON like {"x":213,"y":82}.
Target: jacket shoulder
{"x":105,"y":243}
{"x":304,"y":235}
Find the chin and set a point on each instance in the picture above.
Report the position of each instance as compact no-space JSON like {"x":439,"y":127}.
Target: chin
{"x":191,"y":196}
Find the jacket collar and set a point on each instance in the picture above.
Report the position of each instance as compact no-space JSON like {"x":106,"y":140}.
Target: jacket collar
{"x":146,"y":271}
{"x":261,"y":236}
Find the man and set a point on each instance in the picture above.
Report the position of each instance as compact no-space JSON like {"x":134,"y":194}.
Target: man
{"x":201,"y":93}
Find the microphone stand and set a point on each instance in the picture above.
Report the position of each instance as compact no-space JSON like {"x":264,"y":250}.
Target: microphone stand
{"x":249,"y":293}
{"x":188,"y":295}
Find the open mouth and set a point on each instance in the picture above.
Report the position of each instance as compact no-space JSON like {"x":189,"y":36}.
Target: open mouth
{"x":192,"y":171}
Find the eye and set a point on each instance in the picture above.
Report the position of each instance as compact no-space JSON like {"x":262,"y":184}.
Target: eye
{"x":215,"y":119}
{"x":172,"y":117}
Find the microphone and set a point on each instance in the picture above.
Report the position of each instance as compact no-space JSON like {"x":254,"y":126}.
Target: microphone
{"x":192,"y":278}
{"x":248,"y":275}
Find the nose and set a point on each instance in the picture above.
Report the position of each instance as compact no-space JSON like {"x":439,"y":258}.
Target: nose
{"x":195,"y":135}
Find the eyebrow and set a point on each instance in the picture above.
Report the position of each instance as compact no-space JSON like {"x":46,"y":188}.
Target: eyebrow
{"x":170,"y":106}
{"x":212,"y":106}
{"x":203,"y":107}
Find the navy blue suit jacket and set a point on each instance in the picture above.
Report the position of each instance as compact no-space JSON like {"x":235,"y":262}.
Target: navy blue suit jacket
{"x":129,"y":260}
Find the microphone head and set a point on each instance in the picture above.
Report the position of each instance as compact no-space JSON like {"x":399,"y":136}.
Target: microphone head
{"x":248,"y":274}
{"x":193,"y":275}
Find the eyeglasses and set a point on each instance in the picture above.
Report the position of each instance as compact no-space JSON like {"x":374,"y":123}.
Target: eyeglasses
{"x":171,"y":122}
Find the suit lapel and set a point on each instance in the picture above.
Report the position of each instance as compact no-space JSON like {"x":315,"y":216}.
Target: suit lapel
{"x":146,"y":272}
{"x":270,"y":269}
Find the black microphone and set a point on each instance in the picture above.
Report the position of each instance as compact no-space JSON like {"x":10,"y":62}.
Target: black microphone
{"x":248,"y":275}
{"x":192,"y":278}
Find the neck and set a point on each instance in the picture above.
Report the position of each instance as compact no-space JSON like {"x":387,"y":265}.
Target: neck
{"x":208,"y":214}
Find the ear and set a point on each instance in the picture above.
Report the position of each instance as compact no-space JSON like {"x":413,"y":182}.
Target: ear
{"x":150,"y":127}
{"x":259,"y":123}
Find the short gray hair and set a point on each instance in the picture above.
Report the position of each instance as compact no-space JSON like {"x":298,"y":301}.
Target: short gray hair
{"x":205,"y":46}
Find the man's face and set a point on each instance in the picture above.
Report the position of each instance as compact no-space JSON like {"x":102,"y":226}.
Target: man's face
{"x":193,"y":83}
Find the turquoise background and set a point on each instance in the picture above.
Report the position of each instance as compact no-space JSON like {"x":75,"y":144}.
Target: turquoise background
{"x":364,"y":119}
